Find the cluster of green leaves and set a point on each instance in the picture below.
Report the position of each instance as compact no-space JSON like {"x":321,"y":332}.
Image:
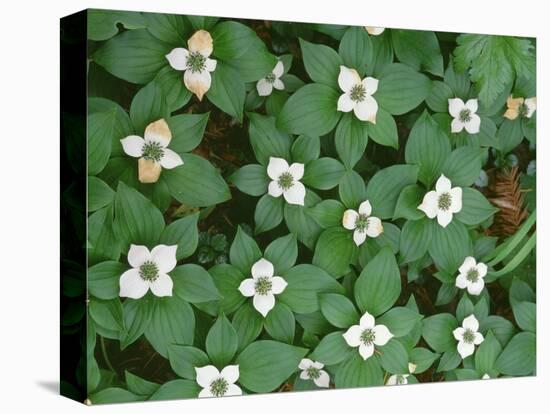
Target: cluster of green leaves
{"x":331,"y":281}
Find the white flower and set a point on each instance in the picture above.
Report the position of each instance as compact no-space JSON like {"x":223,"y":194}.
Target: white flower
{"x":263,"y":285}
{"x":468,"y":336}
{"x":218,"y":384}
{"x":366,"y":335}
{"x":443,"y":202}
{"x":286,"y":180}
{"x":520,"y":107}
{"x":470,"y":276}
{"x":362,"y":223}
{"x":374,"y":31}
{"x":272,"y":80}
{"x":312,"y":370}
{"x":149,"y":271}
{"x":464,"y":115}
{"x":398,"y":379}
{"x":357,"y":94}
{"x":152,"y":151}
{"x":485,"y":376}
{"x":195,"y":62}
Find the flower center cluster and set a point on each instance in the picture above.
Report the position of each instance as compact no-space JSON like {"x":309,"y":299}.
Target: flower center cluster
{"x":218,"y":387}
{"x":270,"y":78}
{"x":444,"y":201}
{"x":263,"y":285}
{"x":367,"y":336}
{"x":465,"y":115}
{"x":313,"y":373}
{"x":468,"y":336}
{"x":362,"y":222}
{"x":152,"y":151}
{"x":286,"y":180}
{"x":472,"y":275}
{"x":358,"y":93}
{"x":149,"y":271}
{"x":196,"y":62}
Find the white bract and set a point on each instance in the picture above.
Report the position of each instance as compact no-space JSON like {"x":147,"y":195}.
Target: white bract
{"x":273,"y":80}
{"x":286,"y":180}
{"x":485,"y":376}
{"x":464,"y":115}
{"x":468,"y":336}
{"x":263,"y":285}
{"x":313,"y":370}
{"x":195,"y":62}
{"x":398,"y":379}
{"x":470,"y":276}
{"x":443,"y":202}
{"x":366,"y":335}
{"x":357,"y":96}
{"x":520,"y":107}
{"x":362,"y":223}
{"x":149,"y":271}
{"x":152,"y":151}
{"x":374,"y":31}
{"x":218,"y":384}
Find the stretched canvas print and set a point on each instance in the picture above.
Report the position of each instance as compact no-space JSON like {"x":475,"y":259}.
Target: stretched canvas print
{"x":262,"y":207}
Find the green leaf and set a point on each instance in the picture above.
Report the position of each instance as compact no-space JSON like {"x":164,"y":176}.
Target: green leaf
{"x":184,"y":233}
{"x":352,"y":189}
{"x":438,"y":99}
{"x":149,"y":105}
{"x":416,"y":237}
{"x":323,"y":174}
{"x":338,"y":310}
{"x":399,"y":320}
{"x":401,"y":88}
{"x":227,"y":90}
{"x":332,"y":349}
{"x":519,"y":356}
{"x":267,"y":141}
{"x":173,"y":322}
{"x":184,"y":360}
{"x":437,"y":331}
{"x":137,"y":316}
{"x":394,"y":357}
{"x":418,"y":49}
{"x":335,"y":251}
{"x":187,"y":131}
{"x":464,"y":308}
{"x":114,"y":395}
{"x":450,"y":245}
{"x":175,"y":92}
{"x":475,"y":207}
{"x":107,"y":313}
{"x":228,"y":279}
{"x":135,"y":56}
{"x":408,"y":201}
{"x":310,"y":110}
{"x":202,"y":22}
{"x":306,"y":149}
{"x":322,"y":63}
{"x":300,"y":223}
{"x":196,"y":183}
{"x":244,"y":252}
{"x":102,"y":24}
{"x":487,"y":353}
{"x":384,"y":188}
{"x":428,"y":147}
{"x":356,"y":372}
{"x":255,"y":64}
{"x":351,"y":138}
{"x":233,"y":39}
{"x":423,"y":359}
{"x":280,"y":323}
{"x":268,"y":213}
{"x":384,"y":131}
{"x":194,"y":284}
{"x":502,"y":328}
{"x":509,"y":136}
{"x":248,"y":324}
{"x":463,"y":166}
{"x":169,"y":28}
{"x":103,"y":279}
{"x":176,"y":390}
{"x":137,"y":220}
{"x":221,"y":342}
{"x":251,"y":179}
{"x":265,"y":365}
{"x":140,"y":386}
{"x":305,"y":282}
{"x":379,"y":284}
{"x":99,"y":194}
{"x":356,"y":49}
{"x":282,"y":252}
{"x":327,"y":213}
{"x":449,"y":360}
{"x":525,"y":314}
{"x":100,"y":136}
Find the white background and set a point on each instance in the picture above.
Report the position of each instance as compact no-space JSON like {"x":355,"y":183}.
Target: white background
{"x":29,"y":171}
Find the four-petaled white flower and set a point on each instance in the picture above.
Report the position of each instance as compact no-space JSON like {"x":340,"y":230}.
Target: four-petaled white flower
{"x":273,"y":80}
{"x":313,"y":370}
{"x":263,"y":285}
{"x":366,"y":335}
{"x":362,"y":223}
{"x":464,"y":115}
{"x":470,"y":276}
{"x":195,"y":62}
{"x":524,"y":107}
{"x":443,"y":202}
{"x":374,"y":31}
{"x":149,"y":271}
{"x":468,"y":336}
{"x":357,"y":94}
{"x":152,"y":151}
{"x":398,"y":379}
{"x":218,"y":384}
{"x":286,"y":180}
